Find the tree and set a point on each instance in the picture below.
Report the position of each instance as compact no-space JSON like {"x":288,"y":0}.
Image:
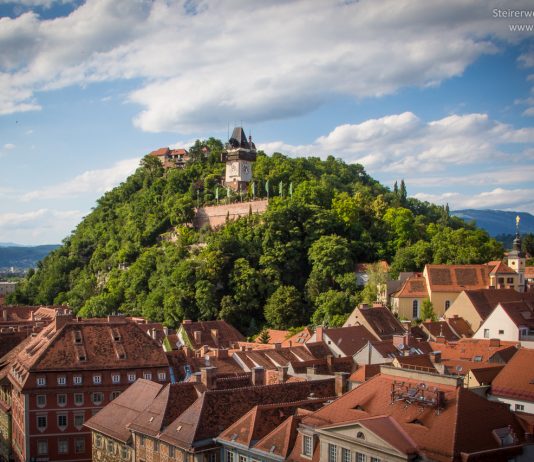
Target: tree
{"x":427,"y":311}
{"x":264,"y":336}
{"x":403,"y":194}
{"x":333,"y":308}
{"x":377,"y":277}
{"x":527,"y":244}
{"x":284,"y":308}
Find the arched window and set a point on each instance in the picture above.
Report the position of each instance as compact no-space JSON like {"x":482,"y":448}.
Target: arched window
{"x":447,"y":304}
{"x":360,"y":436}
{"x":415,"y":309}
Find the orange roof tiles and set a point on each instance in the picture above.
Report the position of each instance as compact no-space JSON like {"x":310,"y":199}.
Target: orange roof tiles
{"x":516,"y":380}
{"x":348,"y":339}
{"x":275,"y":336}
{"x":467,"y":349}
{"x":465,"y":424}
{"x":439,"y":329}
{"x":460,"y":326}
{"x":379,"y":320}
{"x":501,"y":268}
{"x":413,"y":287}
{"x":456,"y":278}
{"x":215,"y":334}
{"x":485,"y":300}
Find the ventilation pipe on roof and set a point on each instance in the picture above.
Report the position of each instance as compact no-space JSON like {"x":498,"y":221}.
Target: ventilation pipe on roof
{"x":341,"y":382}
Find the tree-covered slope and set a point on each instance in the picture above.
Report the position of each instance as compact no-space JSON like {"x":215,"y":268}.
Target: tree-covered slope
{"x":23,"y":256}
{"x":136,"y":252}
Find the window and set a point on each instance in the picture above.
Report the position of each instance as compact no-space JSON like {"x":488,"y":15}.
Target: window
{"x":97,"y":379}
{"x":229,"y":456}
{"x":78,"y":420}
{"x":42,"y":447}
{"x":41,"y":381}
{"x":141,"y":440}
{"x":307,"y":445}
{"x":162,"y":376}
{"x":501,"y":332}
{"x":212,"y":456}
{"x":519,"y":407}
{"x":110,"y":447}
{"x":114,"y":394}
{"x":62,"y":421}
{"x":78,"y":399}
{"x":510,"y":280}
{"x":78,"y":380}
{"x":360,"y":436}
{"x":360,"y":457}
{"x":375,"y":459}
{"x":242,"y":458}
{"x":62,"y":380}
{"x":345,"y":455}
{"x":486,"y":333}
{"x":131,"y":377}
{"x":477,"y":359}
{"x":172,"y":452}
{"x":79,"y":445}
{"x":501,"y":280}
{"x":97,"y":397}
{"x":415,"y":309}
{"x":62,"y":446}
{"x":61,"y":400}
{"x":98,"y":441}
{"x":124,"y":452}
{"x":332,"y":452}
{"x":155,"y":445}
{"x":41,"y":400}
{"x":42,"y":422}
{"x":147,"y":375}
{"x":116,"y":378}
{"x":447,"y":304}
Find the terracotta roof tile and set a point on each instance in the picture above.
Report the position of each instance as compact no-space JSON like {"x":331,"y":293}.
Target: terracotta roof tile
{"x":467,"y":349}
{"x":413,"y":287}
{"x":439,"y":329}
{"x":365,"y":372}
{"x":501,"y":268}
{"x":378,"y":319}
{"x":485,"y":375}
{"x":485,"y":300}
{"x":275,"y":336}
{"x":516,"y":380}
{"x":215,"y":334}
{"x":456,"y":278}
{"x":521,"y":313}
{"x":460,"y":326}
{"x":348,"y":339}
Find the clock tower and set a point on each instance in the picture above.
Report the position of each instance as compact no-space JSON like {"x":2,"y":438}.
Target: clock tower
{"x":239,"y":155}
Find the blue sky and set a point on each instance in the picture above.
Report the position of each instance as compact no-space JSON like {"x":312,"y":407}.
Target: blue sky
{"x":438,"y":93}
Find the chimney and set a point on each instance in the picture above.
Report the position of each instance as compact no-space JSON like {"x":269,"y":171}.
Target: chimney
{"x":61,"y":320}
{"x":330,"y":362}
{"x":319,"y":330}
{"x":435,"y":357}
{"x":187,"y":351}
{"x":197,"y":335}
{"x":341,"y":382}
{"x":166,"y":331}
{"x":207,"y":376}
{"x":258,"y":376}
{"x":186,"y":321}
{"x":32,"y":316}
{"x":282,"y":374}
{"x":310,"y":370}
{"x":401,"y":339}
{"x":215,"y":335}
{"x":153,"y":333}
{"x":495,"y":342}
{"x":196,"y":377}
{"x":221,"y":353}
{"x":440,"y":340}
{"x":4,"y":315}
{"x":278,"y":346}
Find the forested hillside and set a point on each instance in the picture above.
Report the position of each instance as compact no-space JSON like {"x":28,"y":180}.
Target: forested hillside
{"x":136,"y":252}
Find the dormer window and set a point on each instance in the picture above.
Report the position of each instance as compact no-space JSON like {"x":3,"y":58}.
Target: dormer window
{"x":78,"y":338}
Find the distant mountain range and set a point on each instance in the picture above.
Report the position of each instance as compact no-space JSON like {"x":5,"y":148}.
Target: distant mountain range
{"x":497,"y":222}
{"x":23,"y":257}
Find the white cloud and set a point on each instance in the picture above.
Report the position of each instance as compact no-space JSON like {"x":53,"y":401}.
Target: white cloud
{"x":37,"y":226}
{"x":403,"y":143}
{"x":9,"y":146}
{"x":91,"y":181}
{"x":202,"y":63}
{"x":498,"y":198}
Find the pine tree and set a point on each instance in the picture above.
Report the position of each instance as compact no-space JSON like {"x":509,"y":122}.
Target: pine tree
{"x":396,"y":189}
{"x":264,"y":336}
{"x":402,"y":192}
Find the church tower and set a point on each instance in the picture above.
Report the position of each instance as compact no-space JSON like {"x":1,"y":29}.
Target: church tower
{"x":516,"y":258}
{"x":239,"y":155}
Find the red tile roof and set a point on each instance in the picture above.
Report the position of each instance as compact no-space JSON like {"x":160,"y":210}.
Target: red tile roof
{"x":348,"y":339}
{"x":68,"y":343}
{"x":467,"y":349}
{"x":113,"y":420}
{"x":529,"y":272}
{"x":416,"y":362}
{"x":413,"y":287}
{"x":521,"y":313}
{"x":456,"y":278}
{"x":516,"y":380}
{"x":485,"y":300}
{"x":215,"y":334}
{"x":378,"y":319}
{"x":365,"y":372}
{"x":500,"y":268}
{"x":215,"y":410}
{"x":485,"y":375}
{"x":465,"y":424}
{"x":439,"y":329}
{"x":275,"y":336}
{"x":460,"y":326}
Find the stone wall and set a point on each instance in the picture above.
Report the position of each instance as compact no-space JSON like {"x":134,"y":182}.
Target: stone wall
{"x":216,"y":215}
{"x":5,"y":435}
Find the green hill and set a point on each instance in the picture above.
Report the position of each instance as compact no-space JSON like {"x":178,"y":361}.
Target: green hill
{"x":23,"y":257}
{"x":137,"y":253}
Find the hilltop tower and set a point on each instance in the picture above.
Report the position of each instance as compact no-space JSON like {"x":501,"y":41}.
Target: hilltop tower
{"x":239,"y":155}
{"x":516,"y":258}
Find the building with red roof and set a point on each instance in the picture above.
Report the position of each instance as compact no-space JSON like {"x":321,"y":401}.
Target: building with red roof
{"x":403,"y":415}
{"x":514,"y":385}
{"x":377,"y":319}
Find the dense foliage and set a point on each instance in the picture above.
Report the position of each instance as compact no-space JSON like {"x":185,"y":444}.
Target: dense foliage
{"x":136,"y":252}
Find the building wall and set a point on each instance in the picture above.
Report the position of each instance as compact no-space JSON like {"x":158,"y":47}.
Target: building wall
{"x":498,"y":321}
{"x":362,"y":356}
{"x":5,"y":435}
{"x":528,"y":406}
{"x":216,"y":215}
{"x":438,"y":300}
{"x":105,"y":449}
{"x":463,"y":307}
{"x":404,"y":307}
{"x":7,"y":288}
